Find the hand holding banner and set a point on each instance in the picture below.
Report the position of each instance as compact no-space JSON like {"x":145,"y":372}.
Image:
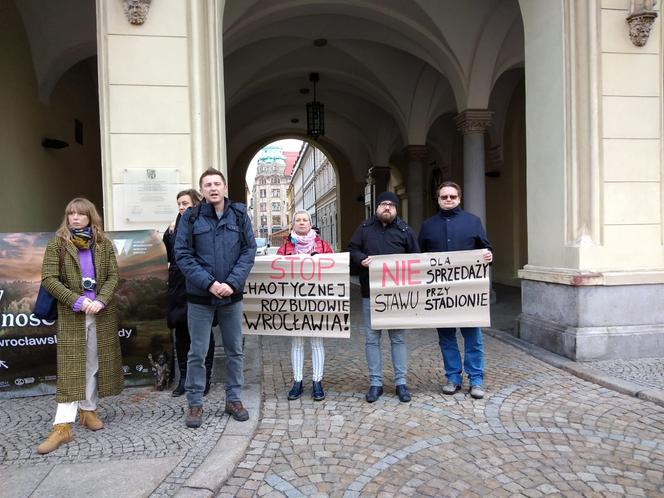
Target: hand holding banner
{"x":444,"y":289}
{"x":298,"y":295}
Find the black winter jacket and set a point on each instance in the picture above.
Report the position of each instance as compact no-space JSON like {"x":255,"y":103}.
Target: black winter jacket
{"x":453,"y":230}
{"x":371,"y":238}
{"x":176,"y":315}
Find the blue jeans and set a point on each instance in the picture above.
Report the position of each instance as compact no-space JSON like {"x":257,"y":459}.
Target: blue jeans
{"x":372,"y":349}
{"x":473,"y":354}
{"x":230,"y":322}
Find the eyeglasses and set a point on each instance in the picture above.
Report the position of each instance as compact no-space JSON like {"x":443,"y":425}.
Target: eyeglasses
{"x":445,"y":197}
{"x":387,"y":205}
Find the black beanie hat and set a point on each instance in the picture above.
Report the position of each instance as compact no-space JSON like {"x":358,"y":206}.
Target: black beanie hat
{"x":389,"y":197}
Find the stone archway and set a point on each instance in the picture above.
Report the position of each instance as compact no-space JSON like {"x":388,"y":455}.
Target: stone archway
{"x":348,"y":214}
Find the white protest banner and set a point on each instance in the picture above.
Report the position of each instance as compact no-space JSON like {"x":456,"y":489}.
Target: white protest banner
{"x":438,"y":289}
{"x":298,"y":295}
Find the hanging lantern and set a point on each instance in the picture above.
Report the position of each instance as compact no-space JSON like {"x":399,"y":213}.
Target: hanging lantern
{"x":315,"y":113}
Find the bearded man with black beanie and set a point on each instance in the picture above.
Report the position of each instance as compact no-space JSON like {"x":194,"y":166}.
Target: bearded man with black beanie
{"x":383,"y":233}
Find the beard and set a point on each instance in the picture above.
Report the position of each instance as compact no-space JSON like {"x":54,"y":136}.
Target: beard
{"x":386,"y":217}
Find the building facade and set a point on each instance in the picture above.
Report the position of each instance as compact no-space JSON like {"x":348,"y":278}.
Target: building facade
{"x":314,"y":189}
{"x":549,"y":113}
{"x":268,"y":198}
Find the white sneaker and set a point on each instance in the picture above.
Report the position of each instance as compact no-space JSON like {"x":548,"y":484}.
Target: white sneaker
{"x":477,"y":392}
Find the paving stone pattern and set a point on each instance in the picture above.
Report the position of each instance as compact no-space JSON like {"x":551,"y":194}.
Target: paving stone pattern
{"x":140,"y":423}
{"x":648,"y":372}
{"x":539,"y":431}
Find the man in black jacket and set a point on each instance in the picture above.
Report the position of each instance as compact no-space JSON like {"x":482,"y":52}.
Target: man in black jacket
{"x":384,"y":233}
{"x":453,"y":229}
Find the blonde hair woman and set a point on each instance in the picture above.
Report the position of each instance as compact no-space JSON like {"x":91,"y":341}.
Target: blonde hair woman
{"x":80,"y":271}
{"x":303,"y":239}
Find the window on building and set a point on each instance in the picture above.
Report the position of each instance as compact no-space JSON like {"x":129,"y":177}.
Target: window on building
{"x":262,"y":181}
{"x":275,"y":180}
{"x":276,"y":206}
{"x":263,"y":221}
{"x":263,"y":206}
{"x":276,"y":192}
{"x":263,"y":192}
{"x":276,"y":220}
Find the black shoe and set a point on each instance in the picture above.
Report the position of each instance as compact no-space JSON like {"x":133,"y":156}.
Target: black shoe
{"x":318,"y":393}
{"x":374,"y":393}
{"x":296,"y":390}
{"x":207,"y":387}
{"x":179,"y":390}
{"x":402,"y":392}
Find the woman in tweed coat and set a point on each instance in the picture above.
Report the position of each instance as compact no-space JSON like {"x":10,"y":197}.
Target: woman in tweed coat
{"x":81,"y":272}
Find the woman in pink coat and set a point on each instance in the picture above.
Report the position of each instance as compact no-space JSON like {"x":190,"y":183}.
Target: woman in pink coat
{"x":303,"y":239}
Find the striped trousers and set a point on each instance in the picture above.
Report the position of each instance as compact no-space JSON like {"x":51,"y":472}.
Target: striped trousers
{"x":317,"y":358}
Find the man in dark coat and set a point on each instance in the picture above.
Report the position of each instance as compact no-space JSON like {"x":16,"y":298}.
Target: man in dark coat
{"x":453,"y":229}
{"x":215,"y":249}
{"x":384,"y":233}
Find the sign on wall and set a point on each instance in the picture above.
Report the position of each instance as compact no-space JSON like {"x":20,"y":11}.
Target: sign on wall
{"x":27,"y":344}
{"x":446,"y":289}
{"x":298,"y":295}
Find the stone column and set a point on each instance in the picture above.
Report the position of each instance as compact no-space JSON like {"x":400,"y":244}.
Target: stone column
{"x":472,"y":123}
{"x":161,"y":107}
{"x":594,"y":282}
{"x":417,"y":155}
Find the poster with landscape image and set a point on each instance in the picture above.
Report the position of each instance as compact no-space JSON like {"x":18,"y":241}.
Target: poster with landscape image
{"x":27,"y":344}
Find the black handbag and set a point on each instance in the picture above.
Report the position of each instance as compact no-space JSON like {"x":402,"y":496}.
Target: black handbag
{"x":46,"y":306}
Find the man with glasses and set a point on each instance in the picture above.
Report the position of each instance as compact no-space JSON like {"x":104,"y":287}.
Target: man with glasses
{"x":453,"y":229}
{"x":384,"y":233}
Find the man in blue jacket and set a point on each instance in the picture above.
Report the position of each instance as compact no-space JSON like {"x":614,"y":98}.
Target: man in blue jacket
{"x":215,"y":249}
{"x":384,"y":233}
{"x":452,"y":229}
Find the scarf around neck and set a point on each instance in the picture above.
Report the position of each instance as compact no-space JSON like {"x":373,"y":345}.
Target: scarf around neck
{"x":304,"y":244}
{"x":81,"y":237}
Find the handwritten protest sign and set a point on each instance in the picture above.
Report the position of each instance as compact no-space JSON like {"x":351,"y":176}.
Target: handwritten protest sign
{"x":442,"y":289}
{"x":298,"y":295}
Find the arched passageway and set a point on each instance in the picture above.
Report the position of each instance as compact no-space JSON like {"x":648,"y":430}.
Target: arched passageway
{"x":48,"y":90}
{"x":414,"y":93}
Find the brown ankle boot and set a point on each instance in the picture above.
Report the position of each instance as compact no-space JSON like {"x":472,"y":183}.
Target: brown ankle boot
{"x":60,"y":434}
{"x":90,"y":420}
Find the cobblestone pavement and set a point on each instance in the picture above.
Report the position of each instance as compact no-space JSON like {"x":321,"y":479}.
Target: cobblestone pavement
{"x":647,"y":372}
{"x":540,"y":431}
{"x":139,"y":424}
{"x":644,"y":372}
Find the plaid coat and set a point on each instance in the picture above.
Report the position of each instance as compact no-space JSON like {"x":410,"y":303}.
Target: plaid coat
{"x":66,"y":286}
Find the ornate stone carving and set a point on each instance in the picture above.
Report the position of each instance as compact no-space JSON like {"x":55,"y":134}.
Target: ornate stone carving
{"x":640,"y":17}
{"x":473,"y":121}
{"x":136,"y":11}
